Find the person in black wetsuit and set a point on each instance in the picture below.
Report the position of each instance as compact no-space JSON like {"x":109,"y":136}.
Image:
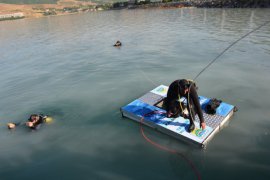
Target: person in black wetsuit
{"x":35,"y":121}
{"x":117,"y":44}
{"x":187,"y":89}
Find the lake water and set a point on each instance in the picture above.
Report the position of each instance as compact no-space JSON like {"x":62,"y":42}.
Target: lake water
{"x":66,"y":67}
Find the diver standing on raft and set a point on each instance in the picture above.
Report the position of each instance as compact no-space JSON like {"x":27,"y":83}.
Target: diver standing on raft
{"x":187,"y":89}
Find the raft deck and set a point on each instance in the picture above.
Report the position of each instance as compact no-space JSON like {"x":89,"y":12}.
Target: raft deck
{"x":148,"y":110}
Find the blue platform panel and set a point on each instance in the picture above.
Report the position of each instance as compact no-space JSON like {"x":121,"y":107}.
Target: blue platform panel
{"x":177,"y":125}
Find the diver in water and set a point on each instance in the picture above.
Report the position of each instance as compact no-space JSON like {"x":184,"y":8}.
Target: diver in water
{"x":35,"y":121}
{"x":187,"y":89}
{"x":117,"y":44}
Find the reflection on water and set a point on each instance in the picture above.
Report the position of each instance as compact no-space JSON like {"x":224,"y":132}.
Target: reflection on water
{"x":66,"y":67}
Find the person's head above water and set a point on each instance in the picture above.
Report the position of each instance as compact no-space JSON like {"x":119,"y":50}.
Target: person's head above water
{"x":34,"y":117}
{"x":118,"y":43}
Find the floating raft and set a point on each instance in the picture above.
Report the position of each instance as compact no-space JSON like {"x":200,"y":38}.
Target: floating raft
{"x":143,"y":110}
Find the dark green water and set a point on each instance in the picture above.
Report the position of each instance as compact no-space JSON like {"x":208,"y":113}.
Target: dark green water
{"x":66,"y":67}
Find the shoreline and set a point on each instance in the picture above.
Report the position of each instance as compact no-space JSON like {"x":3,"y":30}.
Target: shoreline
{"x":46,"y":10}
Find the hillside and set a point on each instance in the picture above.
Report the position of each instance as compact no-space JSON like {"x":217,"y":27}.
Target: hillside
{"x":45,"y":7}
{"x":28,"y":1}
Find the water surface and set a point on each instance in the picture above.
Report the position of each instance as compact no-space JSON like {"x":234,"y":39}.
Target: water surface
{"x":66,"y":67}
